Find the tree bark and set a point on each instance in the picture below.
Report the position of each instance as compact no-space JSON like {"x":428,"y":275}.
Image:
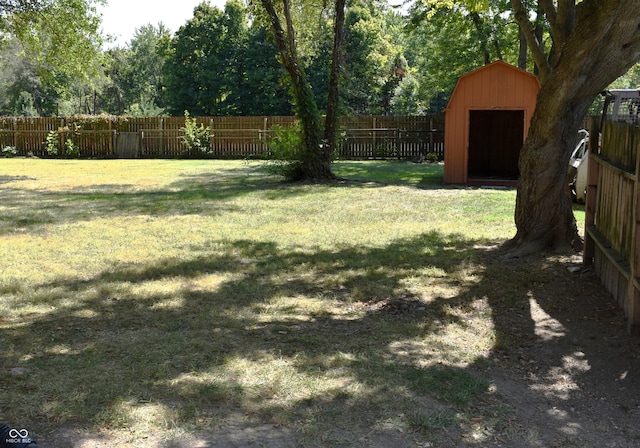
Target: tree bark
{"x":544,"y":215}
{"x":521,"y":15}
{"x":478,"y":23}
{"x":522,"y":51}
{"x":597,"y":42}
{"x":331,"y":120}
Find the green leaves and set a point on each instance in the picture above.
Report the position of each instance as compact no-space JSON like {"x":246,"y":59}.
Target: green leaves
{"x":62,"y":36}
{"x":196,"y":138}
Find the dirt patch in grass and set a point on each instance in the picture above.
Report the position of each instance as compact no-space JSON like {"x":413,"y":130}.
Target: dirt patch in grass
{"x":566,"y":367}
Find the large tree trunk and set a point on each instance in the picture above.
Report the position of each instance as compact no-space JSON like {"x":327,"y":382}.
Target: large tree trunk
{"x":598,"y":42}
{"x":544,"y":215}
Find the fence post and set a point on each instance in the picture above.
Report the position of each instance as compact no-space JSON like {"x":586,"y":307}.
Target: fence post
{"x":373,"y":152}
{"x":62,"y":139}
{"x":161,"y":149}
{"x":431,"y":132}
{"x":262,"y":147}
{"x":591,"y":200}
{"x":211,"y":136}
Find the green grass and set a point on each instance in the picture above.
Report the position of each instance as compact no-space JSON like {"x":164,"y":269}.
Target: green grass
{"x":164,"y":296}
{"x":401,"y":173}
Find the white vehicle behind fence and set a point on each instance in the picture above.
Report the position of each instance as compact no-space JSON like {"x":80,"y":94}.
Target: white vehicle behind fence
{"x":578,"y":167}
{"x":619,"y":105}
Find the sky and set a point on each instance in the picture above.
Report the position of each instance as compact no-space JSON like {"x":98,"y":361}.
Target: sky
{"x":120,"y":18}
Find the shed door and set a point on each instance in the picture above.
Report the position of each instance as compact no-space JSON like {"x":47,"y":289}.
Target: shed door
{"x":495,"y":140}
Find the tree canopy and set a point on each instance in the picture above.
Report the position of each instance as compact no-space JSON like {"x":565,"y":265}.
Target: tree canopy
{"x":49,"y":46}
{"x":60,"y":35}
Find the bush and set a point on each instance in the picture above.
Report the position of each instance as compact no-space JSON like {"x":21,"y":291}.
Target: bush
{"x":71,"y":150}
{"x":432,"y":157}
{"x":9,"y":151}
{"x":196,"y":137}
{"x":51,"y":143}
{"x":285,"y":152}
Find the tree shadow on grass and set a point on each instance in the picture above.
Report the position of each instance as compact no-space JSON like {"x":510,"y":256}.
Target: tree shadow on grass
{"x":424,"y":176}
{"x":331,"y":343}
{"x":207,"y":194}
{"x":9,"y":179}
{"x":282,"y":335}
{"x":392,"y":343}
{"x":559,"y":350}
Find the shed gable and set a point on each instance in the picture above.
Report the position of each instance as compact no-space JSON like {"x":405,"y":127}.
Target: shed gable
{"x":497,"y":85}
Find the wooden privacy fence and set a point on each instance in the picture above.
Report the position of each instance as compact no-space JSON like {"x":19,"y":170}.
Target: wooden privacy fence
{"x":389,"y":137}
{"x":612,"y":236}
{"x":362,"y":137}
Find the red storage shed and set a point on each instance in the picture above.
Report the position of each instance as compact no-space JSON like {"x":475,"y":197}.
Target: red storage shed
{"x":486,"y":123}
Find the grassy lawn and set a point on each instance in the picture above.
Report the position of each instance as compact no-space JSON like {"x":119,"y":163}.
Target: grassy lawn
{"x":163,"y":296}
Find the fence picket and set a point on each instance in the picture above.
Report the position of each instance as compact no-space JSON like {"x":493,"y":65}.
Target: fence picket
{"x":363,"y":137}
{"x":613,"y":218}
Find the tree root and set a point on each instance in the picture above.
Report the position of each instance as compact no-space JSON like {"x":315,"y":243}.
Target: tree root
{"x":524,"y":247}
{"x":517,"y":249}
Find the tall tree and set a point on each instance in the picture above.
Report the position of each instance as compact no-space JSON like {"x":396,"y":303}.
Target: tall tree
{"x":594,"y":42}
{"x":144,"y":67}
{"x":116,"y":69}
{"x":133,"y":84}
{"x":22,"y":92}
{"x":55,"y":42}
{"x":199,"y":71}
{"x":315,"y":163}
{"x":258,"y":81}
{"x":333,"y":97}
{"x":369,"y":57}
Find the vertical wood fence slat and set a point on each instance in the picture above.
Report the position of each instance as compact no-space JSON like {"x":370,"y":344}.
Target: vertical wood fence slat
{"x":612,"y":219}
{"x":362,"y":137}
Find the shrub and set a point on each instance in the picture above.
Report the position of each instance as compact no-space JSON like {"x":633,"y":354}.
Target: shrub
{"x":71,"y":150}
{"x":9,"y":151}
{"x":432,"y":157}
{"x":284,"y":157}
{"x":51,"y":143}
{"x":196,"y":137}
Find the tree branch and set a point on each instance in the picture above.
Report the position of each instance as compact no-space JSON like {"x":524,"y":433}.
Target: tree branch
{"x":550,"y":11}
{"x":331,"y":120}
{"x":290,"y":31}
{"x":537,"y":50}
{"x":278,"y":32}
{"x":477,"y":21}
{"x":565,"y":21}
